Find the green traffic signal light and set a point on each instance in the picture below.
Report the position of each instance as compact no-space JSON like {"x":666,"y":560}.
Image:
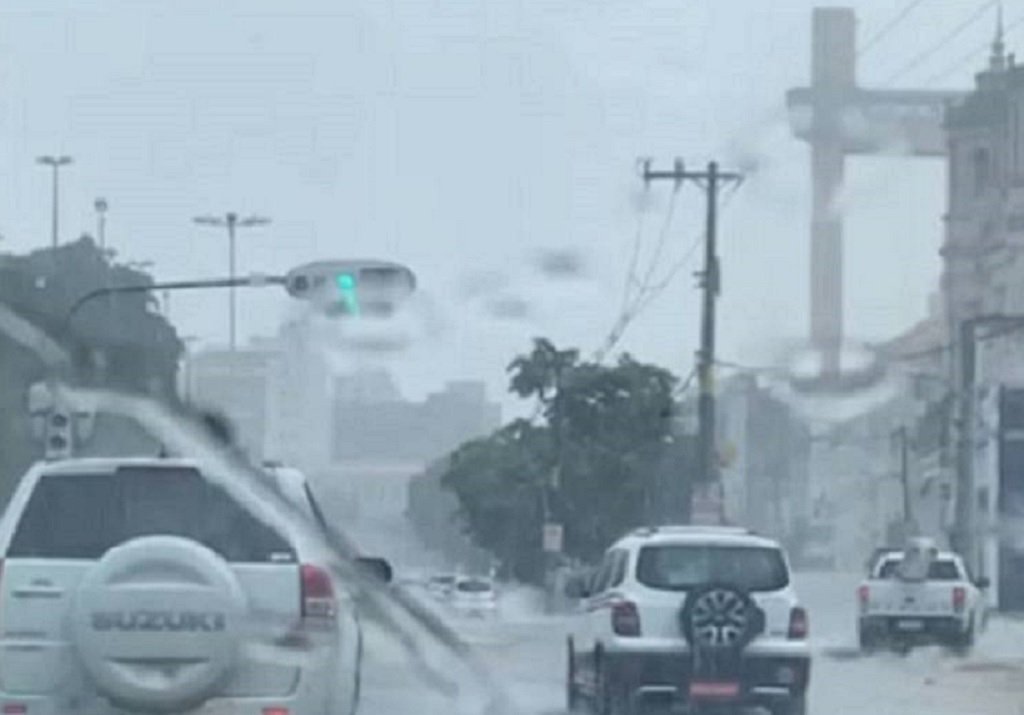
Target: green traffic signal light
{"x":347,"y":285}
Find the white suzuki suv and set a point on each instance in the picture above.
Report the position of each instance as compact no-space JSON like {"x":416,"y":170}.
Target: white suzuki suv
{"x":703,"y":617}
{"x":137,"y":585}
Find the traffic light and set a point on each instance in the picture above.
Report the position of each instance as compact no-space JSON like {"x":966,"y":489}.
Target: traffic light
{"x":347,"y":284}
{"x":59,"y":434}
{"x":358,"y":289}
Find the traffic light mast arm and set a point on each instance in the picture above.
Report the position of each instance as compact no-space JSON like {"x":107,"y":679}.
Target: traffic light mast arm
{"x":254,"y":281}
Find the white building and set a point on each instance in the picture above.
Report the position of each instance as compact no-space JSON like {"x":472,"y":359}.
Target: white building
{"x":235,"y":383}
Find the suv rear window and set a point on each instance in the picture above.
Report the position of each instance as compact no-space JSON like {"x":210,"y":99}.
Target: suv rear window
{"x":81,"y":516}
{"x":681,"y":567}
{"x":941,"y":570}
{"x":473,"y":586}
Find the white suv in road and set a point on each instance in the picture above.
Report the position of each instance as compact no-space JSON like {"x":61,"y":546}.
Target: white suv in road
{"x":137,"y":585}
{"x":704,"y":617}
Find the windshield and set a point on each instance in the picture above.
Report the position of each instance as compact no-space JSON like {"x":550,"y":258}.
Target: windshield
{"x":682,"y":568}
{"x":359,"y":348}
{"x":473,"y":587}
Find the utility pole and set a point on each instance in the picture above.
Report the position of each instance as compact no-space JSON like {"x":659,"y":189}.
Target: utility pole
{"x":908,"y":510}
{"x":55,"y":163}
{"x":710,"y":282}
{"x":232,"y":222}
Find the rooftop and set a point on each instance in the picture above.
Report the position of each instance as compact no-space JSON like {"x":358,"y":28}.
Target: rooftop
{"x":697,"y":535}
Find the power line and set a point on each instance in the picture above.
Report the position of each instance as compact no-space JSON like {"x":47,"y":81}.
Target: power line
{"x":953,"y":34}
{"x":650,"y":293}
{"x":634,"y":258}
{"x":659,"y":247}
{"x":630,"y":302}
{"x":682,"y":387}
{"x":949,"y":346}
{"x":659,"y":288}
{"x":970,"y":56}
{"x":889,"y":27}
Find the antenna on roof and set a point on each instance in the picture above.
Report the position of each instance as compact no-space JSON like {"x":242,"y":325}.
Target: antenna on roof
{"x":998,"y":60}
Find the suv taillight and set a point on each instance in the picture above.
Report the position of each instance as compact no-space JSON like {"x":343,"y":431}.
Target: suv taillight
{"x":863,"y":596}
{"x":317,"y":592}
{"x":625,"y":619}
{"x":959,"y":598}
{"x":798,"y":623}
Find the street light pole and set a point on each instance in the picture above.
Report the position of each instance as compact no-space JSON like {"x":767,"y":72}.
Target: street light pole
{"x":232,"y":223}
{"x":101,"y":222}
{"x":55,"y":163}
{"x":902,"y":437}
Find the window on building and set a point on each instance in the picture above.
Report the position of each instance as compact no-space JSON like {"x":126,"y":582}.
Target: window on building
{"x":982,"y":170}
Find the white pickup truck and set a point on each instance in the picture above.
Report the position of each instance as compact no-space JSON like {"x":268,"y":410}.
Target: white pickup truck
{"x":943,"y":606}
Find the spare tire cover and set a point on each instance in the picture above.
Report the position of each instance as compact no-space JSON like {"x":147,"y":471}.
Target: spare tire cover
{"x":157,"y":623}
{"x":720,"y":617}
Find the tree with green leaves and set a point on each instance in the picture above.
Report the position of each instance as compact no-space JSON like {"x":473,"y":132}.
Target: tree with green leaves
{"x":122,"y":343}
{"x":593,"y":460}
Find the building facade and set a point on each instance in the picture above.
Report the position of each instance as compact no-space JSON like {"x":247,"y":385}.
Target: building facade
{"x":236,"y":384}
{"x":983,"y":278}
{"x":372,"y":421}
{"x":982,"y":257}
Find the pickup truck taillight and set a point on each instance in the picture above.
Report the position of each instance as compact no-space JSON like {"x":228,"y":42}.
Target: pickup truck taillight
{"x":798,"y":624}
{"x":959,"y":598}
{"x":317,"y":592}
{"x":863,"y":596}
{"x":625,"y":619}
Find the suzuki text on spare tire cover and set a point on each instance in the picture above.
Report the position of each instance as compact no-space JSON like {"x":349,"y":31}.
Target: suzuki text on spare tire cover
{"x":141,"y":586}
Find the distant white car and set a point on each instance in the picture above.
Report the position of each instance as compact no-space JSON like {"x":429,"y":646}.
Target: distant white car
{"x":474,"y":596}
{"x":441,"y":586}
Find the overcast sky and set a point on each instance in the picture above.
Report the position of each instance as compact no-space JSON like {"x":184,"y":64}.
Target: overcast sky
{"x":463,"y":137}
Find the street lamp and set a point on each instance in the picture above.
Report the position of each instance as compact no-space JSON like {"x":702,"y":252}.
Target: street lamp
{"x":187,"y":342}
{"x":100,"y":205}
{"x":55,"y":163}
{"x":231,"y":221}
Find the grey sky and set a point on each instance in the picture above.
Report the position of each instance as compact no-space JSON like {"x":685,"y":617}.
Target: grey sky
{"x":462,"y":137}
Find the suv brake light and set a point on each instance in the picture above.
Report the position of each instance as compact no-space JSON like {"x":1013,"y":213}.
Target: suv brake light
{"x":798,"y":623}
{"x":317,"y":592}
{"x":863,"y":596}
{"x":625,"y":619}
{"x":959,"y":598}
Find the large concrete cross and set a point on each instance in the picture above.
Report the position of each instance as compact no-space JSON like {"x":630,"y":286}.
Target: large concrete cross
{"x":838,"y":118}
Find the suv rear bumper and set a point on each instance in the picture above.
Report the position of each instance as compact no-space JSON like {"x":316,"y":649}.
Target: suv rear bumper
{"x":310,"y":697}
{"x":763,"y":678}
{"x":931,"y":628}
